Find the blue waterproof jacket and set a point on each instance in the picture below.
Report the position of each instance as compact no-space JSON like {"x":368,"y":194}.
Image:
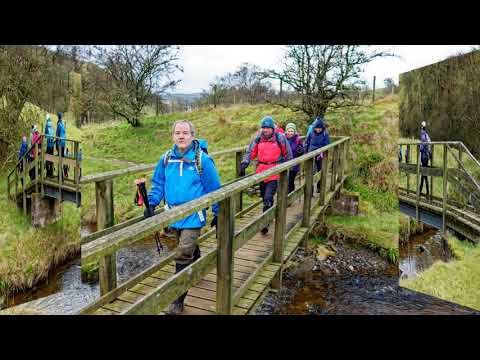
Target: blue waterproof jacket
{"x":61,"y":134}
{"x":23,"y":150}
{"x":179,"y":182}
{"x":49,"y":134}
{"x":315,"y":141}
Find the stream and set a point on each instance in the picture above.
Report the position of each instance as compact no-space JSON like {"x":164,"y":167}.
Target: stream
{"x":355,"y":281}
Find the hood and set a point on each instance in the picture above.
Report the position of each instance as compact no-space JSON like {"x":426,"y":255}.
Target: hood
{"x":318,"y":123}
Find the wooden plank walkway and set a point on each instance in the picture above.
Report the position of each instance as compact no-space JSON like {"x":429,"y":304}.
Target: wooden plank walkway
{"x":255,"y":255}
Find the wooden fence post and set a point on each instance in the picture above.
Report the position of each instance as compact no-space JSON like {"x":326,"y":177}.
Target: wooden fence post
{"x":239,"y":198}
{"x":226,"y":230}
{"x":323,"y":179}
{"x":280,"y":222}
{"x":418,"y":183}
{"x":24,"y":171}
{"x":105,"y":219}
{"x":76,"y":172}
{"x":334,"y":166}
{"x":431,"y":177}
{"x":42,"y":168}
{"x":445,"y":194}
{"x":407,"y":160}
{"x":342,"y":163}
{"x":36,"y":162}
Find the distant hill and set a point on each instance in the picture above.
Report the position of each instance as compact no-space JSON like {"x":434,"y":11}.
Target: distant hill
{"x":190,"y":98}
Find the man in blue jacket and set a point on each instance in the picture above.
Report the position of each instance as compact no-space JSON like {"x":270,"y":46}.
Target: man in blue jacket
{"x":184,"y":173}
{"x":316,"y":139}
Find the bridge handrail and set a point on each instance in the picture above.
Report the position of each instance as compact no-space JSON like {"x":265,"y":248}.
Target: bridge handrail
{"x":109,"y":243}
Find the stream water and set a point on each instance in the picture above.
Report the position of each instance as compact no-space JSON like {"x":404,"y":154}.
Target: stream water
{"x":421,"y":251}
{"x":354,"y":281}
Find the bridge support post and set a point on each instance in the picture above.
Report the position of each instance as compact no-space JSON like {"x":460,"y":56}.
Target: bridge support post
{"x":342,"y":162}
{"x":239,"y":198}
{"x":334,"y":168}
{"x":407,"y":160}
{"x":323,"y":179}
{"x":107,"y":265}
{"x":417,"y":215}
{"x":431,"y":177}
{"x":445,"y":194}
{"x":307,"y":194}
{"x":226,"y":230}
{"x":24,"y":164}
{"x":280,"y":221}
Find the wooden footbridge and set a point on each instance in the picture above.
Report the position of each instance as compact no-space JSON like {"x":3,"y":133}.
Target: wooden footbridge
{"x":239,"y":265}
{"x":458,"y":206}
{"x":31,"y":177}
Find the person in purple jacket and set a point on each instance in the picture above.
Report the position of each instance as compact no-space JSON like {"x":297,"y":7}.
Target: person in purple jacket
{"x":296,"y":145}
{"x":425,"y":153}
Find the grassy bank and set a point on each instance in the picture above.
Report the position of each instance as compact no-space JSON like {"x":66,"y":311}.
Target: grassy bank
{"x":373,"y":161}
{"x":27,"y":254}
{"x":457,"y":281}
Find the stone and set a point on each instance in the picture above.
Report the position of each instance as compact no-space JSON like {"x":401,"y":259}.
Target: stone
{"x":45,"y":211}
{"x":345,"y":204}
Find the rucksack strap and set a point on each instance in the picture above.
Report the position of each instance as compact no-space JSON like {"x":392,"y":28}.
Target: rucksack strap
{"x":198,"y":160}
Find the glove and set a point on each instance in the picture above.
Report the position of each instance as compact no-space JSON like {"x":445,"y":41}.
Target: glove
{"x":214,"y":222}
{"x":243,"y":167}
{"x":149,"y":212}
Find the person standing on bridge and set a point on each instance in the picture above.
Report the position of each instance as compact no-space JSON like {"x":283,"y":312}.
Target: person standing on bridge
{"x":183,"y":174}
{"x":271,"y":148}
{"x":60,"y":141}
{"x":296,"y":145}
{"x":317,"y":139}
{"x":49,"y":135}
{"x":22,"y":151}
{"x":425,"y":154}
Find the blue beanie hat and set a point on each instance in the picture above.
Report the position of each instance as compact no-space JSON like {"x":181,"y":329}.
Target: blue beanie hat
{"x":59,"y":114}
{"x":267,"y":122}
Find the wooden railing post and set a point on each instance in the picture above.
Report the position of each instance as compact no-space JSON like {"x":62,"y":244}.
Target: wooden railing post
{"x":36,"y":162}
{"x":342,"y":163}
{"x":445,"y":194}
{"x":418,"y":183}
{"x":280,"y":222}
{"x":76,"y":172}
{"x":105,"y":219}
{"x":334,"y":167}
{"x":60,"y":170}
{"x":431,"y":177}
{"x":307,"y":192}
{"x":407,"y":160}
{"x":323,"y":178}
{"x":24,"y":171}
{"x":226,"y":231}
{"x":239,"y":197}
{"x":42,"y":166}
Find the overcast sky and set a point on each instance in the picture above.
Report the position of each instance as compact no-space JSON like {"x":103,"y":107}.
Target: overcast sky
{"x":202,"y":63}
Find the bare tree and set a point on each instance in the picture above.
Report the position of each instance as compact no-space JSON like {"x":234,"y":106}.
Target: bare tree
{"x":21,"y":79}
{"x":322,"y":76}
{"x":135,"y":72}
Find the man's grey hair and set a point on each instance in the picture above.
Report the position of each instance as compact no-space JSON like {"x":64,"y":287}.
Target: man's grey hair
{"x":192,"y":128}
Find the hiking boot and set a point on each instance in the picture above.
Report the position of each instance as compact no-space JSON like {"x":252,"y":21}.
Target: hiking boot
{"x":264,"y":230}
{"x":175,"y":308}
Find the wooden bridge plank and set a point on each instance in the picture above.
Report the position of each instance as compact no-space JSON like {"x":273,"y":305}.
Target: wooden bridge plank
{"x":101,"y":311}
{"x":117,"y":305}
{"x":130,"y":296}
{"x":152,"y":281}
{"x":203,"y":304}
{"x":142,"y":289}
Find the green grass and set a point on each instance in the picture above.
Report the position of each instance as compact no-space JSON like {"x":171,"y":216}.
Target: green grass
{"x":456,"y":281}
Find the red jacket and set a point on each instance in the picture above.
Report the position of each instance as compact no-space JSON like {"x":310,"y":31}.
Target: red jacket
{"x":269,"y":152}
{"x":36,"y":139}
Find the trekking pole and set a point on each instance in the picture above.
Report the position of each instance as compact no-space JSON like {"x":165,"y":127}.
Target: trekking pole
{"x":141,"y":198}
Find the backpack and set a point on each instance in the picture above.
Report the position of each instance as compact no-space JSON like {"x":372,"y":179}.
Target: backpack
{"x":198,"y":159}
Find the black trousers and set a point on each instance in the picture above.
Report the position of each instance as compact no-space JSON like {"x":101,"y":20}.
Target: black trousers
{"x":424,"y":178}
{"x":318,"y":166}
{"x":49,"y":164}
{"x":267,"y":192}
{"x":291,"y":180}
